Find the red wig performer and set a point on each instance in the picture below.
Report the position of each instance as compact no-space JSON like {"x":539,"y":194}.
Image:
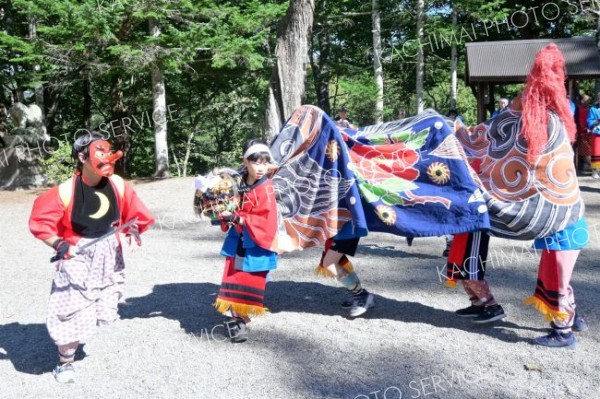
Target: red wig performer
{"x":545,"y":93}
{"x":250,"y":244}
{"x":77,"y":218}
{"x":540,"y":157}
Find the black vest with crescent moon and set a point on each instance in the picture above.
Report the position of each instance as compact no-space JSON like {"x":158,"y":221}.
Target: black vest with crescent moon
{"x":95,"y":209}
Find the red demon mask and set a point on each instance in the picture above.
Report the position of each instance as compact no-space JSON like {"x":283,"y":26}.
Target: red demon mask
{"x":102,"y":159}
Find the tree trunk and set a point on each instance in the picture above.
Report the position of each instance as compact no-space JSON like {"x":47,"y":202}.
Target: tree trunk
{"x":319,"y":58}
{"x":39,"y":91}
{"x":377,"y":68}
{"x":51,"y":97}
{"x":159,"y":108}
{"x":420,"y":58}
{"x":119,"y":137}
{"x":453,"y":62}
{"x":87,"y":103}
{"x":287,"y":85}
{"x":597,"y":83}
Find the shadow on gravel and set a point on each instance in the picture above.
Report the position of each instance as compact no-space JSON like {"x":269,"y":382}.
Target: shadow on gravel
{"x":27,"y":347}
{"x":191,"y":305}
{"x":588,"y":189}
{"x":393,"y":252}
{"x":188,"y":303}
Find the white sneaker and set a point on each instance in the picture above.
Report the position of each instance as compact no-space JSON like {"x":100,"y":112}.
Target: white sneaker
{"x":595,"y":175}
{"x":64,"y":374}
{"x":361,"y":304}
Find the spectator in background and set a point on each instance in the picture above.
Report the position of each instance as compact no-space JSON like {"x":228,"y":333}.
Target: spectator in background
{"x":502,"y":104}
{"x":583,"y":146}
{"x":593,"y":122}
{"x":453,"y":114}
{"x":342,"y":119}
{"x":401,"y":113}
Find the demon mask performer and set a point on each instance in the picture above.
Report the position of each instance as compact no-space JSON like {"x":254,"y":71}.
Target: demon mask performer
{"x":80,"y":219}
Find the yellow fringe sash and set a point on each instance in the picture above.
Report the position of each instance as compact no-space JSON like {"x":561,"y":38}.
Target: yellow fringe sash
{"x":543,"y":308}
{"x":240,"y":309}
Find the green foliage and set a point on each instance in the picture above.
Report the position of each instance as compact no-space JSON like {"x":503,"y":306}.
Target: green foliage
{"x":59,"y":166}
{"x":217,"y":58}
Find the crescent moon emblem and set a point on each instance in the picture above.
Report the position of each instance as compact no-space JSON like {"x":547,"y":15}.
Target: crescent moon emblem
{"x":104,"y":206}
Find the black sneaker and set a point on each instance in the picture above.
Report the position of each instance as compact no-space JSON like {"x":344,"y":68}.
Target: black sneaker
{"x":471,"y":311}
{"x":238,"y":332}
{"x":347,"y":304}
{"x":489,"y":314}
{"x":362,"y":302}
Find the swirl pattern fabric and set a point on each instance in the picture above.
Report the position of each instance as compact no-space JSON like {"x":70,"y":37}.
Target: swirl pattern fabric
{"x":408,"y":177}
{"x":317,"y":195}
{"x":525,"y":201}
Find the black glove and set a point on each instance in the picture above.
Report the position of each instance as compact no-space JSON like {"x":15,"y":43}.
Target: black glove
{"x":233,"y":218}
{"x":62,"y":250}
{"x":134,"y":230}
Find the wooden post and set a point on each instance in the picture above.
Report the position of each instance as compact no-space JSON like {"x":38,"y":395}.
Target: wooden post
{"x":481,"y":102}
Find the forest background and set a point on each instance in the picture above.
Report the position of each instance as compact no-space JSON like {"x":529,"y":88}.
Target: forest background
{"x":180,"y":85}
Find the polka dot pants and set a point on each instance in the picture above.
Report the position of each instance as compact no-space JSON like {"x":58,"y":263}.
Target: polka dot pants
{"x":85,"y":292}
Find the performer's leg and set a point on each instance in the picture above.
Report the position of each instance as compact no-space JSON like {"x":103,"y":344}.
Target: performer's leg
{"x":559,"y":264}
{"x":66,"y":353}
{"x":467,"y":262}
{"x":110,"y":274}
{"x":595,"y":157}
{"x":336,"y":262}
{"x":71,"y":313}
{"x":479,"y":292}
{"x":237,"y":327}
{"x":332,"y":262}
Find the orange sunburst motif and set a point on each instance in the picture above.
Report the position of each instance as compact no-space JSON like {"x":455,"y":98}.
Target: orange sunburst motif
{"x":439,"y":173}
{"x":333,"y":150}
{"x":386,"y":214}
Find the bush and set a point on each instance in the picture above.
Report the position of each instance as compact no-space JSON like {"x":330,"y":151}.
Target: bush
{"x":59,"y":166}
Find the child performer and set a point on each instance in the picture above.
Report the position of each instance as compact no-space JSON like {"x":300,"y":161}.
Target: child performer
{"x":249,"y":247}
{"x":89,"y":281}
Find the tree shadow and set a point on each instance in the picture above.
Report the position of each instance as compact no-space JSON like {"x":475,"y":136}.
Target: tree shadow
{"x":389,"y":251}
{"x":191,"y":305}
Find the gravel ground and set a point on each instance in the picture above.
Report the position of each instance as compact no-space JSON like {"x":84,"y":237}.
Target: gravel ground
{"x":171,"y":343}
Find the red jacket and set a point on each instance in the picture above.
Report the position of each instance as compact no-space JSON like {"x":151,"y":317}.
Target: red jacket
{"x":51,"y":212}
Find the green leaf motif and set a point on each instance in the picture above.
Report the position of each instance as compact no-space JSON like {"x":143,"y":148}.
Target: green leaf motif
{"x":367,"y":193}
{"x":373,"y":193}
{"x":396,"y":185}
{"x":417,"y":140}
{"x":398,"y":137}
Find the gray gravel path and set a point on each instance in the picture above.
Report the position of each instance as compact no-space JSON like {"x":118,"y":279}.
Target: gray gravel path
{"x":169,"y":342}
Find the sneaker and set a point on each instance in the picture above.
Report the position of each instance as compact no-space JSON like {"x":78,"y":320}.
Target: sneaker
{"x":471,"y":311}
{"x":557,"y":339}
{"x":489,"y":314}
{"x":347,"y":304}
{"x":579,"y":324}
{"x":595,"y":175}
{"x":64,"y":374}
{"x":362,"y":303}
{"x":238,"y":332}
